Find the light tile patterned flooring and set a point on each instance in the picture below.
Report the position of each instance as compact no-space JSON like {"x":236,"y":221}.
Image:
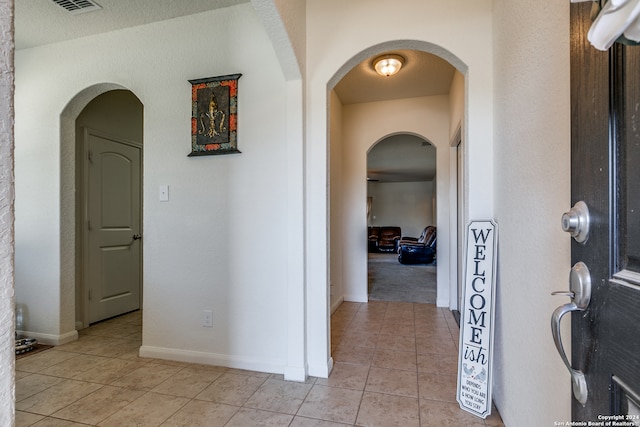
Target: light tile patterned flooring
{"x":395,"y":365}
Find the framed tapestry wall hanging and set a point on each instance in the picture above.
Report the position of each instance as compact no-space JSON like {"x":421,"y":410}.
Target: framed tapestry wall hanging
{"x":214,"y":115}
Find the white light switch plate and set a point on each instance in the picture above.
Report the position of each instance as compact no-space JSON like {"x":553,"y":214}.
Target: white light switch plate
{"x":164,"y":193}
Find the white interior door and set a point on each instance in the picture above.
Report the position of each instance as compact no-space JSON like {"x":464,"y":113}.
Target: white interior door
{"x":113,"y":271}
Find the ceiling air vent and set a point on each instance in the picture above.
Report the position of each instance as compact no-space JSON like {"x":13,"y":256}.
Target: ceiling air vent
{"x":76,"y":7}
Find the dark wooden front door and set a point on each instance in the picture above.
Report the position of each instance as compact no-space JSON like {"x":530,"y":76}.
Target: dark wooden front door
{"x":605,"y":171}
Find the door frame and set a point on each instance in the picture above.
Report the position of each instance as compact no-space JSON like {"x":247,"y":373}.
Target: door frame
{"x":82,"y":287}
{"x":458,"y":223}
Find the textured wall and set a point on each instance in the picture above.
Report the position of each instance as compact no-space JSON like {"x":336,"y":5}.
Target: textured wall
{"x":532,"y":176}
{"x":222,"y":209}
{"x":284,"y":21}
{"x":7,"y":356}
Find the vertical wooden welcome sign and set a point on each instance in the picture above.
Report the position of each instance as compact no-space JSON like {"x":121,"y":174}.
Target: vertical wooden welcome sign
{"x":477,"y":317}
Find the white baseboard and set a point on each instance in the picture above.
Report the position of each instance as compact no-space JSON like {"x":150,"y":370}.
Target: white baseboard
{"x":298,"y":374}
{"x":442,"y":302}
{"x":189,"y":356}
{"x":50,"y":339}
{"x":335,"y":306}
{"x":321,"y":371}
{"x":356,"y":298}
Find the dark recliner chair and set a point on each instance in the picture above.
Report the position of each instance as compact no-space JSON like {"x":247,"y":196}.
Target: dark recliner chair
{"x":372,"y":239}
{"x":388,"y":239}
{"x":421,"y":250}
{"x":423,"y":236}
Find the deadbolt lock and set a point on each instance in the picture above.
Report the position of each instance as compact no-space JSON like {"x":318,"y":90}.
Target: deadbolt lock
{"x":576,"y":222}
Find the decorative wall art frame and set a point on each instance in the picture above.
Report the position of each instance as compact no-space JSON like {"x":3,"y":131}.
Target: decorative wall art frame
{"x":214,"y":115}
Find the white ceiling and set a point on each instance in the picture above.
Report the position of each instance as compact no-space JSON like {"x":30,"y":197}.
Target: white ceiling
{"x":40,"y":22}
{"x":401,"y":158}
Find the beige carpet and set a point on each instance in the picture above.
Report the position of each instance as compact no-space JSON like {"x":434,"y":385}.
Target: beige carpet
{"x":391,"y":281}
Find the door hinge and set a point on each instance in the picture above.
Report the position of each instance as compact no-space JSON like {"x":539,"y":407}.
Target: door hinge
{"x":90,"y":156}
{"x":89,"y":224}
{"x":89,"y":294}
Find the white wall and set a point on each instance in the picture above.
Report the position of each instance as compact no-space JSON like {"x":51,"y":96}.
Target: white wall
{"x":200,"y":249}
{"x":456,"y":104}
{"x":408,"y":205}
{"x":292,"y":14}
{"x":285,"y":23}
{"x":532,"y":190}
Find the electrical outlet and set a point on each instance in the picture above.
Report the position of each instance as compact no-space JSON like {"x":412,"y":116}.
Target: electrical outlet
{"x":207,"y":319}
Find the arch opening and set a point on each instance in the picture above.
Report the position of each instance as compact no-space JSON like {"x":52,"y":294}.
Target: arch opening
{"x":352,"y":126}
{"x":114,"y":107}
{"x":401,"y":171}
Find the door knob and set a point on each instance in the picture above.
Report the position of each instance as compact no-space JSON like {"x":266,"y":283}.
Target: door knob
{"x":580,"y":294}
{"x":137,"y":237}
{"x":576,"y":222}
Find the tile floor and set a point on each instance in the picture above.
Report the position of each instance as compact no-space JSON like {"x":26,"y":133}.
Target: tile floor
{"x":395,"y":365}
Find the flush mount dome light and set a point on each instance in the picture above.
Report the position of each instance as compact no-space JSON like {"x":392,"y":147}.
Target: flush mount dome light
{"x":388,"y":65}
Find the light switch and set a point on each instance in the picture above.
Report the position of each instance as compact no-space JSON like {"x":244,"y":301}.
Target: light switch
{"x":164,"y":193}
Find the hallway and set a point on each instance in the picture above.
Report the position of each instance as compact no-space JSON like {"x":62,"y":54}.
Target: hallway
{"x":404,"y":356}
{"x":395,"y":365}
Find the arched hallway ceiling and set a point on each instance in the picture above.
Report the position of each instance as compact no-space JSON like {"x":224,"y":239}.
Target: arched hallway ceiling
{"x":423,"y":74}
{"x":39,"y":22}
{"x":401,"y":158}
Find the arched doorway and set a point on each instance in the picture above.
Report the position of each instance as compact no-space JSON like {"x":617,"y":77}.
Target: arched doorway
{"x":351,"y":129}
{"x":111,"y":113}
{"x":401,"y":196}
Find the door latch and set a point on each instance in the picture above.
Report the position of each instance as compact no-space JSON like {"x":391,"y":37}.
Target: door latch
{"x":576,"y":222}
{"x":580,"y":294}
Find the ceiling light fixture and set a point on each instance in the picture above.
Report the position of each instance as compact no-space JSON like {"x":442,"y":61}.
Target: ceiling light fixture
{"x":388,"y":65}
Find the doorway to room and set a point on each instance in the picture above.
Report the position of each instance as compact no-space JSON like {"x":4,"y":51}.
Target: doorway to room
{"x":108,"y":204}
{"x":401,"y":220}
{"x":424,"y":100}
{"x":353,"y":124}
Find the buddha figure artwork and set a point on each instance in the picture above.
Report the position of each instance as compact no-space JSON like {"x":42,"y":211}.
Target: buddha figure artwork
{"x":212,"y":123}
